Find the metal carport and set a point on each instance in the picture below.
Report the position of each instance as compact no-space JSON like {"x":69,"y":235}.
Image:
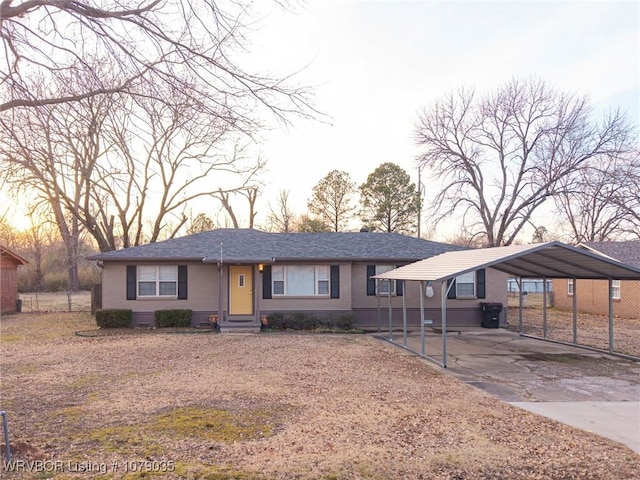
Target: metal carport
{"x":542,"y":260}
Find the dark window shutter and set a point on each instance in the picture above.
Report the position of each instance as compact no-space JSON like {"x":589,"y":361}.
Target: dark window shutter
{"x":371,"y":282}
{"x":452,"y":290}
{"x":481,"y":283}
{"x":266,"y":281}
{"x":334,"y":275}
{"x":182,"y":282}
{"x":131,"y":282}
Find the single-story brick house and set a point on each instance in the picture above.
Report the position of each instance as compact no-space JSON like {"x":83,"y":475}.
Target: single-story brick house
{"x":9,"y":263}
{"x":592,"y":295}
{"x":243,"y":274}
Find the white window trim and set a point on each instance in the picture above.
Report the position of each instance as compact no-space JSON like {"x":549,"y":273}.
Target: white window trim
{"x":570,"y":287}
{"x":157,"y":282}
{"x":392,"y":290}
{"x":474,"y":283}
{"x":316,"y":281}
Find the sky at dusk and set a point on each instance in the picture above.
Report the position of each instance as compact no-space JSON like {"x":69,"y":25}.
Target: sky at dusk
{"x":377,"y":64}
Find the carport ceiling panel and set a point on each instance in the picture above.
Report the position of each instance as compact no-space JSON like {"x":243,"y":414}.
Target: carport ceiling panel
{"x":551,"y":260}
{"x":534,"y":266}
{"x":574,"y":264}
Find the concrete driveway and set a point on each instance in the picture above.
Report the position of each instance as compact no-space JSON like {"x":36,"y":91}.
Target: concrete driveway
{"x":593,"y":391}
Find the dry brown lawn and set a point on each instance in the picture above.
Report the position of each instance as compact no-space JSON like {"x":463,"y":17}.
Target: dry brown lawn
{"x":592,"y":330}
{"x":269,"y":406}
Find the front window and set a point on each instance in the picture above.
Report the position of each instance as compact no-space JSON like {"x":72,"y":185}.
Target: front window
{"x":300,"y":280}
{"x":570,"y":287}
{"x":385,"y":287}
{"x":615,"y":286}
{"x":157,"y":281}
{"x":466,"y":285}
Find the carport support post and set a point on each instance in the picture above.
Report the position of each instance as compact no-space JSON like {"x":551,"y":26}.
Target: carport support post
{"x":390,"y":313}
{"x":520,"y":324}
{"x":404,"y":317}
{"x":575,"y":312}
{"x":445,"y":293}
{"x":378,"y":305}
{"x":610,"y":315}
{"x":544,"y":307}
{"x":422,"y":342}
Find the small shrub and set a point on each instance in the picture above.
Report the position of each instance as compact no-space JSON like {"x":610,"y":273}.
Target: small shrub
{"x":114,"y":318}
{"x":276,"y":321}
{"x":309,"y":321}
{"x":341,"y":322}
{"x":173,"y":318}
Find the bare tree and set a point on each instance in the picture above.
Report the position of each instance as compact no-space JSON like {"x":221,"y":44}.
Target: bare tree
{"x":249,"y":189}
{"x":500,"y":157}
{"x":160,"y":43}
{"x":31,"y":148}
{"x":332,"y":200}
{"x":125,"y":169}
{"x":201,"y":223}
{"x":628,"y":196}
{"x":465,"y":238}
{"x":593,"y":203}
{"x":8,"y":233}
{"x":540,"y":235}
{"x":281,"y":217}
{"x":251,"y":194}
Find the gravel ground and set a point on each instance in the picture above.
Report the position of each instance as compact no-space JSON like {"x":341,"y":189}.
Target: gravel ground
{"x":268,"y":406}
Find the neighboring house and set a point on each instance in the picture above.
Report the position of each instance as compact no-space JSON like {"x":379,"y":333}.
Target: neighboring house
{"x":9,"y":263}
{"x":592,"y":295}
{"x":529,"y":285}
{"x":243,"y":274}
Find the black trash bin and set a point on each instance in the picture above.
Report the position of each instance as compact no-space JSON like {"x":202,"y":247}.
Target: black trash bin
{"x":491,"y":314}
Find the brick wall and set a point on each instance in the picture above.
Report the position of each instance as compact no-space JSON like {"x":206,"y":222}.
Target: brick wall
{"x":593,"y":297}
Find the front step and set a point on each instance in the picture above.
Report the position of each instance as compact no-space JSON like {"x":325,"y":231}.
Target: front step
{"x":243,"y":325}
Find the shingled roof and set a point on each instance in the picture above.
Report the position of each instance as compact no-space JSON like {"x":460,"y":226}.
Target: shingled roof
{"x":626,"y":252}
{"x":17,"y":259}
{"x":254,"y":246}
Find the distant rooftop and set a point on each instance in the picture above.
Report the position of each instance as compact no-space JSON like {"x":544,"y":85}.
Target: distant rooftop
{"x":625,"y":252}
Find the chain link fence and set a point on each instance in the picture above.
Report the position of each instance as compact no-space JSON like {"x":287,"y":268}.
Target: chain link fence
{"x":589,"y":330}
{"x":54,"y":302}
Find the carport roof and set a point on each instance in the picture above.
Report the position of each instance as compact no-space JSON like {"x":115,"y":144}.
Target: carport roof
{"x":542,"y":260}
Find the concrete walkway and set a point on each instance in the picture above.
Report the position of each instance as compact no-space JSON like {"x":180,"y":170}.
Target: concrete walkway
{"x":592,"y":391}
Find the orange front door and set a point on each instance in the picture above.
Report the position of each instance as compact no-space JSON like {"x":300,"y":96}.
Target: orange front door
{"x":240,"y":290}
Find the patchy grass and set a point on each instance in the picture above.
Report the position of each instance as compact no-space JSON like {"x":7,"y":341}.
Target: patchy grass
{"x":195,"y":423}
{"x":269,"y":406}
{"x":37,"y":327}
